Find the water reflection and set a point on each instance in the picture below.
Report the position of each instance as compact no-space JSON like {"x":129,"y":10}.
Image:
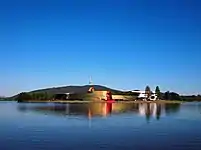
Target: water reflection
{"x":172,"y":108}
{"x":148,"y":110}
{"x":100,"y":126}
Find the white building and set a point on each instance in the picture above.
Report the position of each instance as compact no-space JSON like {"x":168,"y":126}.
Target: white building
{"x":142,"y":95}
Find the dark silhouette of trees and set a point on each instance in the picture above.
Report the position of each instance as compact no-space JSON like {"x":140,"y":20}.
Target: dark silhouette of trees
{"x":24,"y":96}
{"x":171,"y":96}
{"x":174,"y":96}
{"x":167,"y":95}
{"x":148,"y":91}
{"x":34,"y":96}
{"x":158,"y":92}
{"x":191,"y":98}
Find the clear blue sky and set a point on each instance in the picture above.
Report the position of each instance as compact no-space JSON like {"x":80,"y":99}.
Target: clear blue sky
{"x":123,"y":44}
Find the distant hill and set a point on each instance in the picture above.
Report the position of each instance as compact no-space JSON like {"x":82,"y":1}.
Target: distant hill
{"x":74,"y":89}
{"x":71,"y":89}
{"x":83,"y":89}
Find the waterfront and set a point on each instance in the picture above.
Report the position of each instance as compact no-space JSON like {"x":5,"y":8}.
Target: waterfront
{"x":92,"y":126}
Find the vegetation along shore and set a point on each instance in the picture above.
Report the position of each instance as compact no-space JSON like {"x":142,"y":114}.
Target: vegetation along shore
{"x":47,"y":95}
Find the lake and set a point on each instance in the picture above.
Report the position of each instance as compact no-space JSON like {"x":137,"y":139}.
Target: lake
{"x":93,"y":126}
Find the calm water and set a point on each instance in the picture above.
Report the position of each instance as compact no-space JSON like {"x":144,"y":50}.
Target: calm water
{"x":100,"y":126}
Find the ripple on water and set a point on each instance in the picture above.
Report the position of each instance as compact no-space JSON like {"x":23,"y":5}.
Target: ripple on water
{"x":51,"y":127}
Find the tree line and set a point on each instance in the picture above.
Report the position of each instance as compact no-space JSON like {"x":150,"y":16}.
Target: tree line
{"x":163,"y":96}
{"x":171,"y":95}
{"x":25,"y":96}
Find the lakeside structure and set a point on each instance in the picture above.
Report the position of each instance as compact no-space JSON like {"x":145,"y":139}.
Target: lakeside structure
{"x":89,"y":95}
{"x":105,"y":95}
{"x":142,"y":95}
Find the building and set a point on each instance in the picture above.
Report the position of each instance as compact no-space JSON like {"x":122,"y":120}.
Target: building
{"x":143,"y":96}
{"x":91,"y":94}
{"x":86,"y":94}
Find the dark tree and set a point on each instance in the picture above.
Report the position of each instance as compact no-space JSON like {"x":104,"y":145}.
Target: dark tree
{"x":34,"y":96}
{"x":167,"y":95}
{"x":174,"y":96}
{"x":148,"y":91}
{"x":24,"y":96}
{"x":158,"y":92}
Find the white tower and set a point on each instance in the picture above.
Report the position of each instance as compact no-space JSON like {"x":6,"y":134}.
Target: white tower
{"x":90,"y":81}
{"x":91,"y":89}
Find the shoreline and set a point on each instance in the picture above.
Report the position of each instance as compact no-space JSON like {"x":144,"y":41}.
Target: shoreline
{"x":79,"y":101}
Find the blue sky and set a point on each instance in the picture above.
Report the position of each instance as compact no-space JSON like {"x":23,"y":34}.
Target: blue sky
{"x":123,"y":44}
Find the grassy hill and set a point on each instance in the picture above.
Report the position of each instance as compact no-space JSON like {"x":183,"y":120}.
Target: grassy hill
{"x":74,"y":89}
{"x":49,"y":92}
